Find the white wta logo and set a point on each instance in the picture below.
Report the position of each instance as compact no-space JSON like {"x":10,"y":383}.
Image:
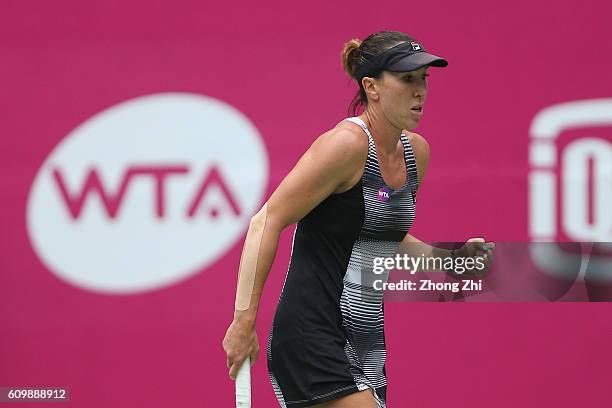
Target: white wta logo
{"x":147,"y":192}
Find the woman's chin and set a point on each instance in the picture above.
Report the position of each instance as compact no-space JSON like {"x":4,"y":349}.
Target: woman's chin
{"x":410,"y":124}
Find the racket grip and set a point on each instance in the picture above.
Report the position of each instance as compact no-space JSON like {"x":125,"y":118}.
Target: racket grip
{"x":243,"y":385}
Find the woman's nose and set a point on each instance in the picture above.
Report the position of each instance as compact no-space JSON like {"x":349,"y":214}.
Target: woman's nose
{"x":420,"y":91}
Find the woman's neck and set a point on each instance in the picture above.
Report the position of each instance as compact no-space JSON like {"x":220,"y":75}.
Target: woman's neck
{"x":384,"y":133}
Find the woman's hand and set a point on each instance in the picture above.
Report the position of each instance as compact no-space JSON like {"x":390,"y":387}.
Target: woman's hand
{"x":477,"y":247}
{"x":240,"y":342}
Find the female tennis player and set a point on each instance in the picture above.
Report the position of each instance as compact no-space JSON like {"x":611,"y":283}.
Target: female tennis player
{"x":353,"y":197}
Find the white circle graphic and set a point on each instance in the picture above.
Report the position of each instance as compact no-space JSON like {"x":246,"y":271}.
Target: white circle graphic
{"x":147,"y":192}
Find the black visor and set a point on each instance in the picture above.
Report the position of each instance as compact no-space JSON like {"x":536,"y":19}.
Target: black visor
{"x":406,"y":56}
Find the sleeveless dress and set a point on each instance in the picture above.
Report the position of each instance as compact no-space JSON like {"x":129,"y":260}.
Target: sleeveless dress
{"x":327,"y":338}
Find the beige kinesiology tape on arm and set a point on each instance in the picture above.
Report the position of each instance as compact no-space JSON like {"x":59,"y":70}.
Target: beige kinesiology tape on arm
{"x":248,"y":260}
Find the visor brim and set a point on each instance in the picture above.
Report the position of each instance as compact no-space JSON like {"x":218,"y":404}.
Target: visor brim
{"x":416,"y":61}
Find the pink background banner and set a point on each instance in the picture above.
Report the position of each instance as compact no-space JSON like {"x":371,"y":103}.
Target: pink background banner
{"x":139,"y":137}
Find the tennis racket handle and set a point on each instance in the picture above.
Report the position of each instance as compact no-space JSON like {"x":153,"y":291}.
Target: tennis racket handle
{"x":243,"y":385}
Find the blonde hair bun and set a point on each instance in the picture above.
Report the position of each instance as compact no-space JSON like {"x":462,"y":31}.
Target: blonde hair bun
{"x":350,"y":57}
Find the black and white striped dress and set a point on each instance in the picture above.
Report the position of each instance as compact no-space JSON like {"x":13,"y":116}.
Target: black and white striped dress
{"x":327,"y":338}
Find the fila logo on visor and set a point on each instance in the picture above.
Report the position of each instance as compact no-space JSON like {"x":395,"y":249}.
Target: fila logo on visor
{"x":415,"y":46}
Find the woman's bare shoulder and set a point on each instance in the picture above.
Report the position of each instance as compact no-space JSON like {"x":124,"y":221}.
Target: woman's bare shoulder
{"x":332,"y":162}
{"x":420,"y":148}
{"x":419,"y":144}
{"x":345,"y":142}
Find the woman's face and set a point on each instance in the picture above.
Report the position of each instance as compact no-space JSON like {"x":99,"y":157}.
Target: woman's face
{"x":402,"y":96}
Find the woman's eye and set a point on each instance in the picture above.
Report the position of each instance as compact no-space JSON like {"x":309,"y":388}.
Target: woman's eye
{"x":410,"y":78}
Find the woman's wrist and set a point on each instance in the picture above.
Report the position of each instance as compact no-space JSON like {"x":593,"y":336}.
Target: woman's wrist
{"x":246,"y":317}
{"x":451,"y":270}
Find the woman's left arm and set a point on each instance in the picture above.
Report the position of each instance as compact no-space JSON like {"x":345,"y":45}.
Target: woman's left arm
{"x":411,"y":245}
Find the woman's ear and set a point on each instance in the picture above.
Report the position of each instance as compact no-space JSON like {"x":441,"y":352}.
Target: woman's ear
{"x":370,"y":86}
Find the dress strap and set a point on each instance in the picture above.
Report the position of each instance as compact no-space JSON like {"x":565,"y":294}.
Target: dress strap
{"x":409,"y":158}
{"x":410,"y":164}
{"x":356,"y":120}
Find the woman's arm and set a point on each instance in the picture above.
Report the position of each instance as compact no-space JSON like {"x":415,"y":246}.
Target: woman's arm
{"x":412,"y":246}
{"x":332,"y":164}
